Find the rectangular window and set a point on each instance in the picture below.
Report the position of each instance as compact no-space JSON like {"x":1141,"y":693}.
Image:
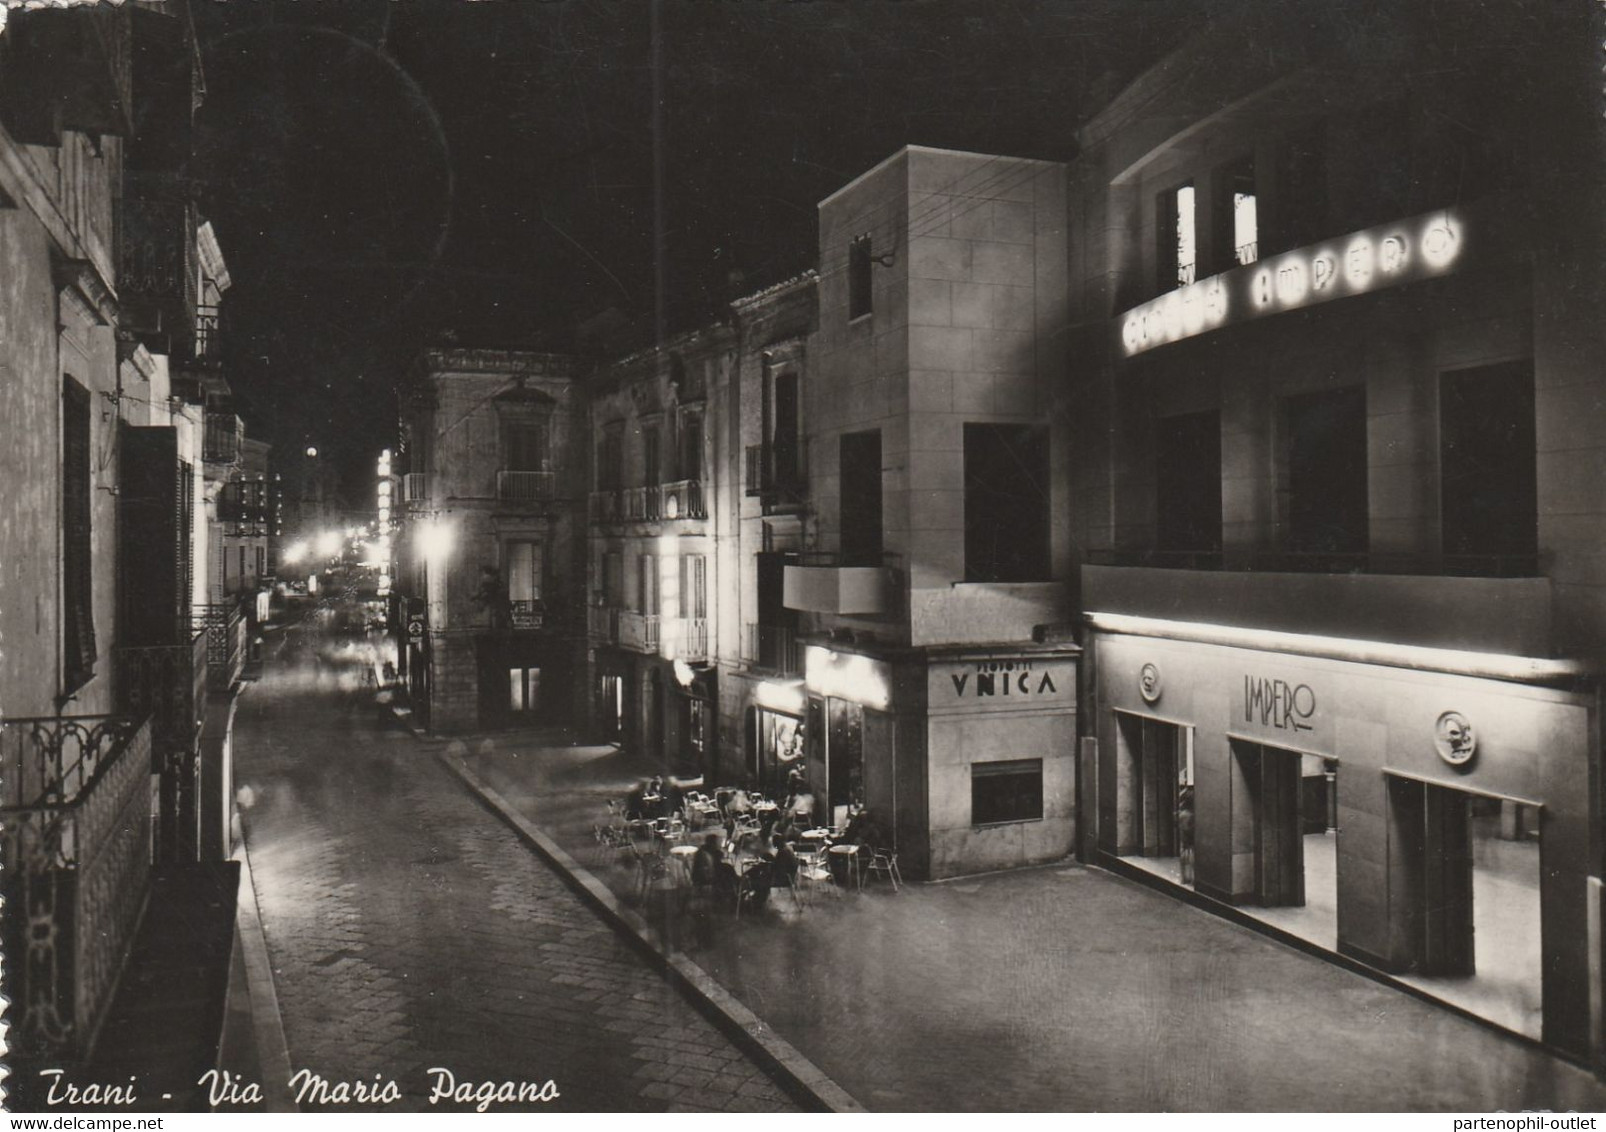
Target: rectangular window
{"x":262,"y":561}
{"x":77,"y":582}
{"x":1187,"y":485}
{"x":609,"y":458}
{"x":648,"y":592}
{"x":1237,"y":220}
{"x":859,"y":277}
{"x":1177,"y":244}
{"x":691,"y":447}
{"x":785,"y":448}
{"x":1006,"y":503}
{"x":1008,"y":791}
{"x":1301,"y":204}
{"x":860,"y":471}
{"x":523,"y":447}
{"x":693,"y":586}
{"x":1487,"y":467}
{"x":613,"y":579}
{"x":1327,"y":503}
{"x":652,"y":472}
{"x":525,"y":562}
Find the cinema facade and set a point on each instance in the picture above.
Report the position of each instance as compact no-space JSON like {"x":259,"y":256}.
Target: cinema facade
{"x":1342,"y":586}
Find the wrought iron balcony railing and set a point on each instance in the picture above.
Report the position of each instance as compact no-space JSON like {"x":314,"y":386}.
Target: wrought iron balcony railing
{"x":773,"y":649}
{"x":226,"y":630}
{"x":208,"y":336}
{"x":689,"y":639}
{"x":169,"y":683}
{"x":221,"y":439}
{"x":525,"y":487}
{"x":76,"y":866}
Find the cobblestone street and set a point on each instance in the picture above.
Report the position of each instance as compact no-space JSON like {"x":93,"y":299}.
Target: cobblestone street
{"x":409,"y":929}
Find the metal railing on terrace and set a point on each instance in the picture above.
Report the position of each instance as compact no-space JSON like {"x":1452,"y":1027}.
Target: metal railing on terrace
{"x":75,"y":859}
{"x":226,"y":631}
{"x":1324,"y":562}
{"x":208,"y":333}
{"x":221,"y":437}
{"x":773,"y":649}
{"x":525,"y":487}
{"x":169,"y":684}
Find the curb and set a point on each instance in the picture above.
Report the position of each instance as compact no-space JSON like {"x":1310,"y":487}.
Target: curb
{"x":796,"y":1073}
{"x":267,"y":1025}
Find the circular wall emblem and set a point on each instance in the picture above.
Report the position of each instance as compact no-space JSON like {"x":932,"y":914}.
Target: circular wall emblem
{"x":1455,"y":739}
{"x":1149,"y":686}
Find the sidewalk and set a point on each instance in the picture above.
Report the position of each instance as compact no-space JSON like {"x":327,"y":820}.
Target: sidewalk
{"x":1057,"y":988}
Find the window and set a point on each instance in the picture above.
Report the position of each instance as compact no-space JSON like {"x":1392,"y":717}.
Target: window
{"x":651,"y":467}
{"x":1006,"y":791}
{"x":1187,"y":483}
{"x":613,"y":579}
{"x":523,"y":446}
{"x":1301,"y":205}
{"x":524,"y":689}
{"x":1326,"y":485}
{"x":693,"y":586}
{"x":525,"y":562}
{"x":1237,"y":221}
{"x":77,"y":588}
{"x":1006,"y":503}
{"x":1487,"y":460}
{"x":859,"y":277}
{"x":647,"y":566}
{"x":609,"y":454}
{"x":1176,"y":247}
{"x":691,"y":447}
{"x":784,"y":446}
{"x":262,"y":561}
{"x":860,"y":472}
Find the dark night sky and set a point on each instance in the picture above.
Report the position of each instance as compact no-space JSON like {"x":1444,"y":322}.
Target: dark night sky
{"x":381,"y":173}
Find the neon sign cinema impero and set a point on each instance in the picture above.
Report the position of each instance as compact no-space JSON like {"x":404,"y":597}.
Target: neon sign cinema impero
{"x":1385,"y":256}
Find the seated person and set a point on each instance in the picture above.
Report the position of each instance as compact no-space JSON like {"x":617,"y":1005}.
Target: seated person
{"x":636,"y":802}
{"x":709,"y":869}
{"x":801,"y":807}
{"x":785,"y":827}
{"x":782,"y":859}
{"x":756,"y":882}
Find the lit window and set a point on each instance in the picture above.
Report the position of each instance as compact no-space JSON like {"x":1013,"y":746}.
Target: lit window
{"x":1238,"y":188}
{"x":1177,"y":245}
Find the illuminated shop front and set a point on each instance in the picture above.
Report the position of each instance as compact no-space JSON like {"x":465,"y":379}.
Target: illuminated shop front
{"x":1427,"y":823}
{"x":777,"y":742}
{"x":970,"y":752}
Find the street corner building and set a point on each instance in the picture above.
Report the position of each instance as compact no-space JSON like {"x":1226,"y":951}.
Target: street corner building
{"x":124,"y":539}
{"x":1336,"y":337}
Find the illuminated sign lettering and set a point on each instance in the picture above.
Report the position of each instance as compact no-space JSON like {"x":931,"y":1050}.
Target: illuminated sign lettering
{"x":1003,"y":679}
{"x":1403,"y":252}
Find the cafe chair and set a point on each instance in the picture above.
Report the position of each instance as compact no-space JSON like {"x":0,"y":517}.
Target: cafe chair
{"x":885,"y":863}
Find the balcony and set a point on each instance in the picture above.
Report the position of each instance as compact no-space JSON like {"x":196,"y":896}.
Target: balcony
{"x":640,"y":503}
{"x":602,"y":624}
{"x":821,"y":583}
{"x":415,"y":488}
{"x":168,"y":683}
{"x":777,"y":487}
{"x":226,"y":630}
{"x":76,"y":863}
{"x":1420,"y":605}
{"x":221,"y":441}
{"x":525,"y":487}
{"x":688,"y":639}
{"x":683,"y":499}
{"x":524,"y":616}
{"x":638,"y":631}
{"x":771,"y":649}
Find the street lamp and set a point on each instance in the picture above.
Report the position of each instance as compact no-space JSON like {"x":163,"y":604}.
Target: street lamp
{"x":433,"y":541}
{"x":329,"y":544}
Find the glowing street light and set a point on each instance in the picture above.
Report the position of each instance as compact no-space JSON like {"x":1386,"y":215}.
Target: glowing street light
{"x":433,"y":541}
{"x":329,"y":543}
{"x":295,"y":552}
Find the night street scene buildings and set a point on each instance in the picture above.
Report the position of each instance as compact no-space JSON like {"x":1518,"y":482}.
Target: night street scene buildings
{"x":1187,"y":504}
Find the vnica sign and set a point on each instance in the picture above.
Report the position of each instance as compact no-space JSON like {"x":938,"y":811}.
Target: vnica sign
{"x":1279,"y":704}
